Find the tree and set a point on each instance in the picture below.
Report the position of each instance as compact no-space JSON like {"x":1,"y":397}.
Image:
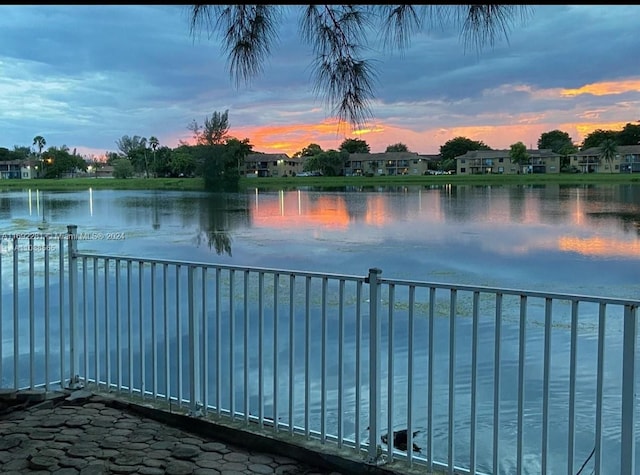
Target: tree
{"x":59,"y":162}
{"x":122,"y":168}
{"x":397,"y":147}
{"x":214,"y":131}
{"x":608,"y":151}
{"x":629,"y":135}
{"x":558,"y":142}
{"x":309,"y":151}
{"x":154,"y":143}
{"x":329,"y":163}
{"x":39,"y":142}
{"x":338,"y":35}
{"x":554,"y":140}
{"x":354,"y":146}
{"x":135,"y":149}
{"x":595,"y":138}
{"x":518,"y":153}
{"x":459,"y":146}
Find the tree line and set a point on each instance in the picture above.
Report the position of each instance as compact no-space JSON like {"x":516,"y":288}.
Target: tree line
{"x":217,"y":156}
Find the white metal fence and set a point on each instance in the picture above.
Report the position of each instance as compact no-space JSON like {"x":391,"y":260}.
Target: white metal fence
{"x":483,"y":380}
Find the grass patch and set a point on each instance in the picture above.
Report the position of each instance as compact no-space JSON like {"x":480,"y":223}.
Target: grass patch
{"x":279,"y":183}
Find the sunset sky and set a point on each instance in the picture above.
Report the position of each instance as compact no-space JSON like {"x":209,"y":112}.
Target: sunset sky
{"x":84,"y":76}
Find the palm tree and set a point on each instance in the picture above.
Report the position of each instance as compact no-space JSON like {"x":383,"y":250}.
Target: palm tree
{"x":40,"y":142}
{"x":338,"y":35}
{"x":153,"y":143}
{"x":608,"y":151}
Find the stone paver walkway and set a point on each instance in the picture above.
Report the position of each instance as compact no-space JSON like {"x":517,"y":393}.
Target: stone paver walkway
{"x":68,"y":436}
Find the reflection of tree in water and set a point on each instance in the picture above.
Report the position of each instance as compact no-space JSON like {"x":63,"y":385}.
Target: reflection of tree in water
{"x":217,"y":217}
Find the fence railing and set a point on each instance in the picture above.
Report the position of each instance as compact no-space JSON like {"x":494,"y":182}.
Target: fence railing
{"x":479,"y":379}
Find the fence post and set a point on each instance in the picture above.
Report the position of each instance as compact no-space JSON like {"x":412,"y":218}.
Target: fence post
{"x":72,"y":248}
{"x":374,"y":455}
{"x":629,"y":337}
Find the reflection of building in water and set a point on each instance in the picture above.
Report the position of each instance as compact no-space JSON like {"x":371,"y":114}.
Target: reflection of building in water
{"x":295,"y":208}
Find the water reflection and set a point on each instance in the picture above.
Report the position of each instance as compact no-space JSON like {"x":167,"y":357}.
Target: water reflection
{"x":544,"y":237}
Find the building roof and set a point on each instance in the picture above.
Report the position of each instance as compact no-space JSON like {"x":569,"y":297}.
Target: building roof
{"x":534,"y":153}
{"x":621,"y":150}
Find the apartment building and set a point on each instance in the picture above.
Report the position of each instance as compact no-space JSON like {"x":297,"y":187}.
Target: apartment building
{"x":480,"y":162}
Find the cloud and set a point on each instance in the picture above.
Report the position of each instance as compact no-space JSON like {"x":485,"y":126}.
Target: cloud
{"x":84,"y":76}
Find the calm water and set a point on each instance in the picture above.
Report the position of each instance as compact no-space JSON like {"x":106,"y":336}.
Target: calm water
{"x":570,"y":239}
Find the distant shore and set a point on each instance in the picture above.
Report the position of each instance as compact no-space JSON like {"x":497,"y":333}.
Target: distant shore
{"x":197,"y":184}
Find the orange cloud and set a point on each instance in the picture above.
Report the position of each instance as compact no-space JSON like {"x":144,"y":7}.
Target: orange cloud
{"x":604,"y":88}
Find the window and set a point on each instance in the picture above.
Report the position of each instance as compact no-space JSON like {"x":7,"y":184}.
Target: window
{"x":500,"y":160}
{"x":463,"y":170}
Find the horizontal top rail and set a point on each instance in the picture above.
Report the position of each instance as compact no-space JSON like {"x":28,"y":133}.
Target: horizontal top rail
{"x":268,"y":270}
{"x":386,"y":281}
{"x":512,"y":291}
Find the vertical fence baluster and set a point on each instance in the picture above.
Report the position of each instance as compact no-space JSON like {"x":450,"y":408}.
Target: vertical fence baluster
{"x":232,"y":351}
{"x":205,"y":344}
{"x":390,"y":373}
{"x":521,"y":382}
{"x":432,"y":306}
{"x":118,"y":330}
{"x":165,"y":322}
{"x":218,"y":342}
{"x":32,"y":327}
{"x":85,"y":330}
{"x":497,"y":372}
{"x":178,"y":336}
{"x":358,"y":365}
{"x":154,"y":335}
{"x":47,"y":324}
{"x":323,"y":363}
{"x":107,"y":330}
{"x":96,"y":341}
{"x":340,"y":362}
{"x":276,"y":377}
{"x":307,"y":355}
{"x":16,"y":314}
{"x":602,"y":313}
{"x":629,"y":340}
{"x":141,"y":333}
{"x":475,"y":316}
{"x":572,"y":387}
{"x":261,"y":349}
{"x":374,"y":364}
{"x":410,"y":330}
{"x":245,"y":348}
{"x":61,"y":288}
{"x":292,"y":375}
{"x":546,"y":383}
{"x":453,"y":297}
{"x":129,"y":327}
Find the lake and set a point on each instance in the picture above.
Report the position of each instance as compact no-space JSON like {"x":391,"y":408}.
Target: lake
{"x":574,"y":239}
{"x":563,"y":238}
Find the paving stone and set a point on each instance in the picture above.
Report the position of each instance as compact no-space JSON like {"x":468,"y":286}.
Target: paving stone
{"x":71,"y":462}
{"x":260,"y":458}
{"x":236,"y":457}
{"x":185,"y":452}
{"x":65,"y":471}
{"x":237,"y":466}
{"x":179,"y":467}
{"x":90,"y":438}
{"x":213,"y":446}
{"x":41,"y":462}
{"x":151,"y":471}
{"x":260,"y":468}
